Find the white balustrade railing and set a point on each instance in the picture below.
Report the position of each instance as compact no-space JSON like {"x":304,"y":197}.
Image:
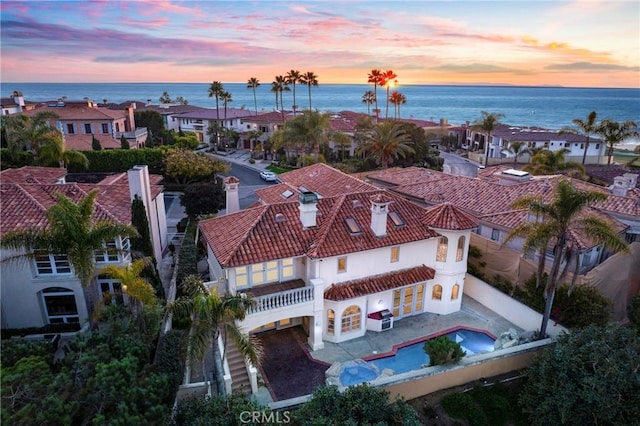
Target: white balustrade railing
{"x":282,"y":299}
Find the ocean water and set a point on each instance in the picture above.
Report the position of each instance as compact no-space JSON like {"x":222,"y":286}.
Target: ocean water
{"x":548,"y":107}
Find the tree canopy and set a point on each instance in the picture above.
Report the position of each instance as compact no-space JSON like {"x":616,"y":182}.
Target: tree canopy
{"x":185,"y":166}
{"x":590,"y":377}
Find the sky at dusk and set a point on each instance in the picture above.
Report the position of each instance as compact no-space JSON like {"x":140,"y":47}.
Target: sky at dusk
{"x":575,"y":43}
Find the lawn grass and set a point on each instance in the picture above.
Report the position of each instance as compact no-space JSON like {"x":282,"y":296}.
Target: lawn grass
{"x":278,"y":169}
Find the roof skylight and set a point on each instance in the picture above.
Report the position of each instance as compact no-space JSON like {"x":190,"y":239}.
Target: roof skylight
{"x":352,"y":226}
{"x":397,"y":220}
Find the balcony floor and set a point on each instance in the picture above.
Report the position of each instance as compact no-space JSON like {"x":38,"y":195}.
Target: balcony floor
{"x":266,"y":289}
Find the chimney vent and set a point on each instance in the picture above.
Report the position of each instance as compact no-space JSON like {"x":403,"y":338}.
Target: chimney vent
{"x":379,"y":212}
{"x":308,"y":206}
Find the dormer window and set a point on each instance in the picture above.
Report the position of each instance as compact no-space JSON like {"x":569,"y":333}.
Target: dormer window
{"x":352,"y":226}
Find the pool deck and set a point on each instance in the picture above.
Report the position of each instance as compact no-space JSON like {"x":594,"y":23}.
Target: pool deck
{"x":409,"y":330}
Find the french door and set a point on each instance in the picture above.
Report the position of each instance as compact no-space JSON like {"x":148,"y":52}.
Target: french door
{"x":408,"y":301}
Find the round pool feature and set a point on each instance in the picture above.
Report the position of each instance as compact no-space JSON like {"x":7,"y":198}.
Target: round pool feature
{"x":357,"y":373}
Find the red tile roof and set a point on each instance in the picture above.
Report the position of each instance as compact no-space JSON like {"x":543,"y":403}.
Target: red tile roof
{"x":33,"y":174}
{"x":24,"y":205}
{"x":448,"y":216}
{"x":275,"y":231}
{"x":378,"y":283}
{"x":325,"y":181}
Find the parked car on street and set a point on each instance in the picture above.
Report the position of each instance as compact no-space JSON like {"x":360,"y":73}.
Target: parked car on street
{"x":268,"y":176}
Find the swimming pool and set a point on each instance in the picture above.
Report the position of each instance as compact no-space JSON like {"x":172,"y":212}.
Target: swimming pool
{"x":412,"y":356}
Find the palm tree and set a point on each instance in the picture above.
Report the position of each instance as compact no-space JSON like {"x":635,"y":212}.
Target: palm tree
{"x":369,"y":98}
{"x":585,"y":128}
{"x":293,"y":77}
{"x":253,"y":135}
{"x":72,"y":232}
{"x":253,"y":83}
{"x":386,"y":79}
{"x":138,"y":290}
{"x":216,"y":90}
{"x":387,"y":142}
{"x":226,"y":99}
{"x":545,"y":162}
{"x":310,"y":79}
{"x":307,"y":132}
{"x":613,"y":133}
{"x":517,"y":148}
{"x":210,"y":315}
{"x":555,"y":227}
{"x":487,"y":123}
{"x":374,"y":77}
{"x":54,"y":153}
{"x":275,"y":88}
{"x":397,"y":99}
{"x":343,"y":142}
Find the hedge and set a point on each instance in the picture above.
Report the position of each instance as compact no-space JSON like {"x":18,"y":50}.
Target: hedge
{"x":121,"y":160}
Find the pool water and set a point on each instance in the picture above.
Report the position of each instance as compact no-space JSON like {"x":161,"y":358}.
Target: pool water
{"x":413,"y":357}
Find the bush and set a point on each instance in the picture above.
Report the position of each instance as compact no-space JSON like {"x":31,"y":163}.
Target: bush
{"x":13,"y":350}
{"x":633,"y":312}
{"x":203,"y":198}
{"x":442,"y":350}
{"x":170,"y":357}
{"x":187,"y":259}
{"x":14,"y":160}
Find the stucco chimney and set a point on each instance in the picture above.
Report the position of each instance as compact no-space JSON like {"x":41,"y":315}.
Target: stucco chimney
{"x":308,"y":205}
{"x":231,"y":189}
{"x":622,"y":184}
{"x":379,"y":211}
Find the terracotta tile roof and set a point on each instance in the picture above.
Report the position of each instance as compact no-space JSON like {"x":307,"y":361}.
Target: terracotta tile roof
{"x":448,"y":216}
{"x":33,"y":174}
{"x":510,"y":219}
{"x":325,"y":181}
{"x":398,"y":176}
{"x":83,"y":142}
{"x":24,"y":205}
{"x":273,"y":117}
{"x":230,"y":179}
{"x":274,"y":231}
{"x":80,"y":112}
{"x":277,"y":193}
{"x":378,"y":283}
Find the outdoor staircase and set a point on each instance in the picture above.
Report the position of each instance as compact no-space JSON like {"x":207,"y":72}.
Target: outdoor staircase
{"x":239,"y":376}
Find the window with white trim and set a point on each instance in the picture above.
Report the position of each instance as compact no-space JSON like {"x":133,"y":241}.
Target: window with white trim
{"x":342,"y":264}
{"x":60,"y":305}
{"x":351,"y":319}
{"x":395,"y":254}
{"x":265,"y":272}
{"x":52,"y":264}
{"x":331,"y":322}
{"x":287,"y":268}
{"x":495,"y":234}
{"x":460,"y":251}
{"x":110,"y":289}
{"x":105,"y":128}
{"x":108,"y":254}
{"x":455,"y":291}
{"x":443,"y":243}
{"x":436,"y":292}
{"x":242,"y":276}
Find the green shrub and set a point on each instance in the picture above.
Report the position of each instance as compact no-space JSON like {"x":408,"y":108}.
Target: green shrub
{"x":502,"y":284}
{"x":474,"y":251}
{"x":442,"y":350}
{"x":14,"y":160}
{"x":462,"y":406}
{"x":121,"y":160}
{"x":170,"y":357}
{"x":633,"y":312}
{"x":187,"y":259}
{"x":13,"y":350}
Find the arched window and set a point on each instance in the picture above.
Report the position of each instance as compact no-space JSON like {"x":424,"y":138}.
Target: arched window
{"x":60,"y":305}
{"x":443,"y":243}
{"x":460,"y":251}
{"x":351,"y":319}
{"x":331,"y":322}
{"x":436,"y":293}
{"x":454,"y":292}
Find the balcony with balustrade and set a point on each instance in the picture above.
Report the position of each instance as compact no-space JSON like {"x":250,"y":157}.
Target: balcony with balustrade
{"x":274,"y":296}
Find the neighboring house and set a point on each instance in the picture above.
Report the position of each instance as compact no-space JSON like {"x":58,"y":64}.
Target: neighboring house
{"x":81,"y":121}
{"x":490,"y":200}
{"x":340,"y":261}
{"x":44,"y":290}
{"x":535,"y":137}
{"x":15,"y":104}
{"x":198,"y":121}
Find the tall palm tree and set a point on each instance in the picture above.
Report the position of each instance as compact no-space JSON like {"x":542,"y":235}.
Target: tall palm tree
{"x":71,"y":232}
{"x":216,"y":89}
{"x":210,"y":315}
{"x":369,"y":98}
{"x":253,"y":83}
{"x":545,"y":162}
{"x":226,"y":99}
{"x":342,"y":141}
{"x":386,"y":79}
{"x":374,"y":77}
{"x":614,"y":132}
{"x":487,"y":123}
{"x":138,"y":290}
{"x":585,"y":128}
{"x":275,"y":88}
{"x":310,"y":79}
{"x":396,"y":100}
{"x":557,"y":221}
{"x":54,"y":153}
{"x":387,"y":142}
{"x":293,"y":77}
{"x":517,"y":148}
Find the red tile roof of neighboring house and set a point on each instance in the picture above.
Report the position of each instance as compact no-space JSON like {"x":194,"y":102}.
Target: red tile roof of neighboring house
{"x":213,"y":114}
{"x":275,"y":231}
{"x":378,"y":283}
{"x":448,"y":216}
{"x":33,"y":174}
{"x":84,"y":142}
{"x":280,"y":193}
{"x":275,"y":117}
{"x":325,"y":181}
{"x":23,"y":205}
{"x":80,"y":112}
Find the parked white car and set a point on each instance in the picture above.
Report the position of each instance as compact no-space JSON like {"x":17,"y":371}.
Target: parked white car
{"x":268,"y":176}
